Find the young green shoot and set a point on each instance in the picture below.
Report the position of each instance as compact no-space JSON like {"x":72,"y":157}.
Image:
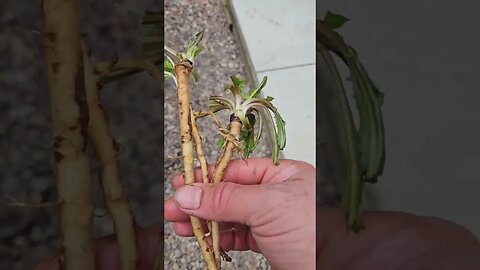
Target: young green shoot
{"x":250,"y":107}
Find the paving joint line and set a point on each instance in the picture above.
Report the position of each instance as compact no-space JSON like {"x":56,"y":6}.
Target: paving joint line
{"x":286,"y":67}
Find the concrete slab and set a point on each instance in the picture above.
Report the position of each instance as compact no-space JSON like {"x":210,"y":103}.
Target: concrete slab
{"x":278,"y":34}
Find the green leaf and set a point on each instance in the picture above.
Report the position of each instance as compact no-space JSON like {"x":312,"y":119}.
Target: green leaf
{"x":152,"y":39}
{"x":152,"y":48}
{"x":221,"y":142}
{"x":169,"y":52}
{"x":194,"y":48}
{"x":278,"y":124}
{"x":368,"y":142}
{"x":256,"y":91}
{"x":247,"y":137}
{"x":260,"y":124}
{"x":152,"y":31}
{"x":237,"y":89}
{"x":238,"y":83}
{"x":243,"y":118}
{"x":274,"y":132}
{"x":196,"y":75}
{"x":198,"y":38}
{"x":167,"y":66}
{"x":281,"y":133}
{"x":280,"y":136}
{"x":153,"y":17}
{"x":335,"y":20}
{"x":217,"y":103}
{"x":277,"y":130}
{"x":168,"y":75}
{"x":269,"y":98}
{"x":369,"y":101}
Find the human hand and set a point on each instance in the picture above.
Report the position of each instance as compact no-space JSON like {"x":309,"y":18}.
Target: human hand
{"x":260,"y":207}
{"x":272,"y":210}
{"x":394,"y":240}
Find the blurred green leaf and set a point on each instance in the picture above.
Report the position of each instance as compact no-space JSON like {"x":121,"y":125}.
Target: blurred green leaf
{"x":152,"y":31}
{"x":153,"y":17}
{"x":368,"y":101}
{"x":221,"y":142}
{"x":368,"y":139}
{"x":335,"y":20}
{"x":151,"y":39}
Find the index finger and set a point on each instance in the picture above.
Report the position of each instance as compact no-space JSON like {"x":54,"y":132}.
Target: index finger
{"x":252,"y":171}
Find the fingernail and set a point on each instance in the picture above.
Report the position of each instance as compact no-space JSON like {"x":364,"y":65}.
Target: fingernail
{"x":188,"y":197}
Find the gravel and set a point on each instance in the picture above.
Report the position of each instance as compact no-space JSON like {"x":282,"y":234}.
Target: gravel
{"x":183,"y":19}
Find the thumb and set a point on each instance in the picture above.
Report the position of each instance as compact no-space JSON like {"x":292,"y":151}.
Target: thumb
{"x":224,"y":202}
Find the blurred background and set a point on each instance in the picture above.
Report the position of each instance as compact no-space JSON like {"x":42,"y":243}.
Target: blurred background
{"x":424,"y":56}
{"x":134,"y":106}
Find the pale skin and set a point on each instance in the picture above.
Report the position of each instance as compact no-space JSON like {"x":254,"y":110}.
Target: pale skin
{"x":272,"y":209}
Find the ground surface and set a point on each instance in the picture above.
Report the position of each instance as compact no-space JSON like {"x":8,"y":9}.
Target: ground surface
{"x":182,"y":20}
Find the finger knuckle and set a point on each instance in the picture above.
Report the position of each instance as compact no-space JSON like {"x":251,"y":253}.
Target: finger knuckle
{"x":221,"y":196}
